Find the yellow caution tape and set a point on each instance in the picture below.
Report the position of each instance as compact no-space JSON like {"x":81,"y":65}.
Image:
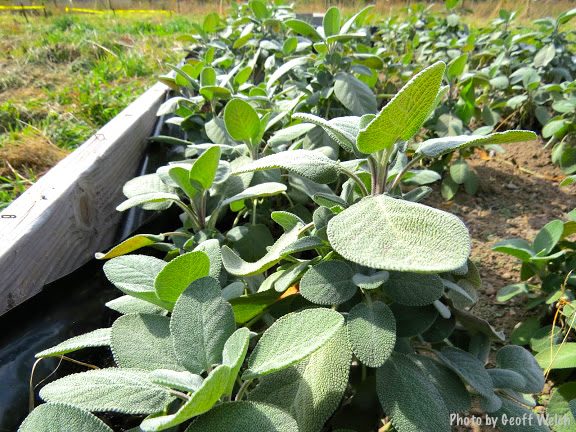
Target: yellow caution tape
{"x":118,"y":11}
{"x":84,"y":10}
{"x":21,"y":7}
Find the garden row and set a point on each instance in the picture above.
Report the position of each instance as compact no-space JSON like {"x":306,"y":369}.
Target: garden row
{"x":304,"y":280}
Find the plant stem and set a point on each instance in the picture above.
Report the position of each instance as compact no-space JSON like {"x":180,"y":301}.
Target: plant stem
{"x":404,"y":171}
{"x":242,"y":390}
{"x":306,"y":228}
{"x":190,"y":214}
{"x":357,"y":179}
{"x":254,"y":206}
{"x":181,"y":395}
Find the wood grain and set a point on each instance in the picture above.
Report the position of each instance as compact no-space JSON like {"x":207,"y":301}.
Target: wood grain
{"x":69,"y":214}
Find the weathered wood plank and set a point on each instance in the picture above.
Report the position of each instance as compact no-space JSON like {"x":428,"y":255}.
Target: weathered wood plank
{"x":69,"y":214}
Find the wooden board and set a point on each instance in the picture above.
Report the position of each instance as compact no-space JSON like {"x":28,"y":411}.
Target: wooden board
{"x":69,"y":214}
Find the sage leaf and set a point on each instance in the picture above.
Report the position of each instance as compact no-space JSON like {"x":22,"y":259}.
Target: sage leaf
{"x":372,"y":281}
{"x":233,"y":354}
{"x":95,"y":338}
{"x":511,"y":410}
{"x":179,"y":273}
{"x":328,"y":283}
{"x":180,"y":380}
{"x":241,"y":120}
{"x":200,"y":401}
{"x":126,"y":391}
{"x":147,"y":184}
{"x":345,"y":137}
{"x":150,"y":198}
{"x":469,"y":368}
{"x":244,"y":416}
{"x":304,"y":29}
{"x":205,"y":167}
{"x":548,"y":237}
{"x":507,"y":379}
{"x":211,"y":247}
{"x":142,"y":341}
{"x":403,"y":116}
{"x":201,"y":308}
{"x":436,"y":147}
{"x":520,"y":360}
{"x":451,"y":388}
{"x":129,"y":245}
{"x":331,"y":21}
{"x":57,"y":417}
{"x":411,"y":320}
{"x":421,"y":408}
{"x":130,"y":305}
{"x":389,"y":234}
{"x":292,"y":338}
{"x":289,"y":65}
{"x":310,"y":164}
{"x":354,"y":94}
{"x":312,"y":389}
{"x":261,"y":190}
{"x":413,"y":289}
{"x":238,"y":267}
{"x":135,"y":275}
{"x":372,"y":332}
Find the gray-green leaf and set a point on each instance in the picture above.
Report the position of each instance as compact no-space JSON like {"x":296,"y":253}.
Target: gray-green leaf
{"x":96,"y":338}
{"x":201,"y":323}
{"x":371,"y":332}
{"x":292,"y":338}
{"x":328,"y":283}
{"x":57,"y":417}
{"x":390,"y":234}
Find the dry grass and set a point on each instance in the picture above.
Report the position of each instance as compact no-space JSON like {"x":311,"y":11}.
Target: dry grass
{"x":31,"y":152}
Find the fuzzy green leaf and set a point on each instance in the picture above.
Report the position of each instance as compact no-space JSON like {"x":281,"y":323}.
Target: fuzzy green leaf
{"x":372,"y":281}
{"x":413,"y":289}
{"x":451,"y":388}
{"x":512,"y":410}
{"x":516,"y":247}
{"x":390,"y":234}
{"x":258,"y":191}
{"x":411,"y":320}
{"x":96,"y":338}
{"x":201,"y":323}
{"x":469,"y":368}
{"x":238,"y":267}
{"x":131,"y":305}
{"x":233,"y":354}
{"x":146,"y":184}
{"x":135,"y":275}
{"x":244,"y":416}
{"x":421,"y":408}
{"x":129,"y":245}
{"x":205,"y":167}
{"x":371,"y":332}
{"x":328,"y":283}
{"x":307,"y":163}
{"x":150,"y":198}
{"x":436,"y":147}
{"x":331,"y":21}
{"x":143,"y":341}
{"x":507,"y":379}
{"x":312,"y":389}
{"x":242,"y":121}
{"x":286,"y":67}
{"x":292,"y":338}
{"x":304,"y":29}
{"x":520,"y":360}
{"x":211,"y":247}
{"x":201,"y":401}
{"x":345,"y":137}
{"x":354,"y":94}
{"x":180,"y":380}
{"x":179,"y":273}
{"x":127,"y":391}
{"x":403,"y":116}
{"x":56,"y":417}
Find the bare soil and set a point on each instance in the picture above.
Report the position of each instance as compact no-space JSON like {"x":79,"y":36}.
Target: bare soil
{"x":519,"y":193}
